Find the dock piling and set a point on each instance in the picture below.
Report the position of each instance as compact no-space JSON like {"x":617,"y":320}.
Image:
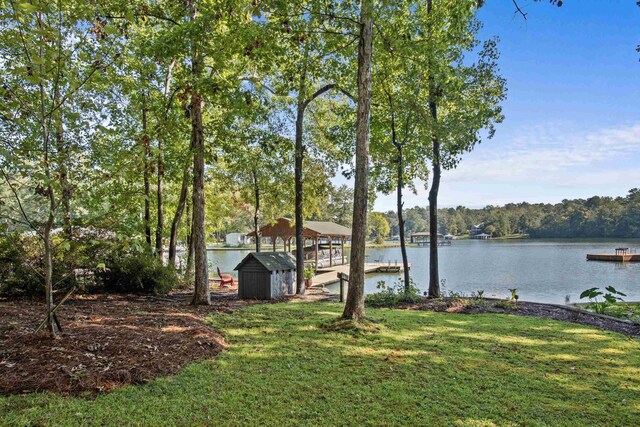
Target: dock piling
{"x":343,"y":278}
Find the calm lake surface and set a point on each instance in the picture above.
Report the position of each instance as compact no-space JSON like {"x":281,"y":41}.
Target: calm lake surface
{"x":541,"y":270}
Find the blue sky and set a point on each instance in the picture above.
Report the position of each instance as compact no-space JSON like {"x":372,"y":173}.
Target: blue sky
{"x":572,"y":116}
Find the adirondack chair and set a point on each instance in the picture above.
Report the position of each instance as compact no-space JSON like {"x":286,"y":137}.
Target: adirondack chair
{"x":225,"y":279}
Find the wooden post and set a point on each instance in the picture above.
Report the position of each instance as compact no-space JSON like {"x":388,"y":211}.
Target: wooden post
{"x":342,"y":250}
{"x":273,"y":239}
{"x":316,"y":244}
{"x":330,"y":251}
{"x":343,"y":278}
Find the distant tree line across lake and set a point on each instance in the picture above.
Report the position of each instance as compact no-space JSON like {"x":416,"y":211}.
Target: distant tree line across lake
{"x":595,"y":217}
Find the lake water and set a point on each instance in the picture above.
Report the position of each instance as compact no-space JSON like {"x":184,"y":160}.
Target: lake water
{"x":541,"y":270}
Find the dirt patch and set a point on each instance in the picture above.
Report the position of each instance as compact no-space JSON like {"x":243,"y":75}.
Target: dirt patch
{"x":108,"y":341}
{"x":523,"y":308}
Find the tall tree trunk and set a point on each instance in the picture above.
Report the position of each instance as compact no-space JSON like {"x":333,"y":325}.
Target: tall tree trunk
{"x":256,"y":213}
{"x":48,"y":266}
{"x":147,"y":167}
{"x":434,"y":275}
{"x":199,"y":238}
{"x":354,"y":308}
{"x":48,"y":249}
{"x":64,"y":183}
{"x":299,"y":153}
{"x":160,"y":223}
{"x":299,"y":160}
{"x":188,"y":271}
{"x":201,"y":294}
{"x":434,"y":278}
{"x":63,"y":169}
{"x":175,"y":224}
{"x":400,"y":204}
{"x":63,"y":173}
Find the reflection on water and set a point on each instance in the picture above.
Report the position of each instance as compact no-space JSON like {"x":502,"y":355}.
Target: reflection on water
{"x":226,"y":260}
{"x":541,"y":270}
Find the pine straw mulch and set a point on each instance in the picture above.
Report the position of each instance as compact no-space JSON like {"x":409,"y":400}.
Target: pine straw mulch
{"x":107,"y":341}
{"x":524,"y":308}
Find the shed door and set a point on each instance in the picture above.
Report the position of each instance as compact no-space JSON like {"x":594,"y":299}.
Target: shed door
{"x":255,"y":284}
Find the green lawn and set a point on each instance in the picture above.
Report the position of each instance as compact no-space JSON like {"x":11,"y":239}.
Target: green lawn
{"x":417,"y":368}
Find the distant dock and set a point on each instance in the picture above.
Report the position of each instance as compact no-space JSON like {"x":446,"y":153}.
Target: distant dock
{"x":614,"y":258}
{"x":440,"y":243}
{"x":621,"y":255}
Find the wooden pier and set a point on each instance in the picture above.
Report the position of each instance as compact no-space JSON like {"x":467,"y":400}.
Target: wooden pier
{"x":622,"y":254}
{"x":327,"y":276}
{"x":614,"y":257}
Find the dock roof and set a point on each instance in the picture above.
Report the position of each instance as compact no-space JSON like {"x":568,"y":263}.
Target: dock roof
{"x":285,"y":227}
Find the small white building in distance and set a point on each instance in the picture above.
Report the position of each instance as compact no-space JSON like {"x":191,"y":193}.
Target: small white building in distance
{"x":235,"y":239}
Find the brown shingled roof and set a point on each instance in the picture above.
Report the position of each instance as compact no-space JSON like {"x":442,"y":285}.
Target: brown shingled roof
{"x":285,"y":227}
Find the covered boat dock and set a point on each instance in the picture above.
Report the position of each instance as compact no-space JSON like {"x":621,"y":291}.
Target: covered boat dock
{"x":284,"y":229}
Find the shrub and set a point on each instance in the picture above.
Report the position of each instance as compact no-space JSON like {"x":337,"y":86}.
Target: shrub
{"x":16,"y":276}
{"x":453,"y":295}
{"x":140,"y":273}
{"x":479,"y":304}
{"x":477,"y":294}
{"x":120,"y":265}
{"x":507,"y":305}
{"x":379,"y":240}
{"x":611,"y":297}
{"x":309,"y":273}
{"x":390,"y":296}
{"x":21,"y":266}
{"x":514,"y":295}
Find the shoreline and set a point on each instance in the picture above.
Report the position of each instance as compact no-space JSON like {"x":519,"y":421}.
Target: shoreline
{"x":396,"y":244}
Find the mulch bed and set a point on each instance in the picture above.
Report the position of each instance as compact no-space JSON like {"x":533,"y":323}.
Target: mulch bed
{"x":107,"y":341}
{"x":523,"y":308}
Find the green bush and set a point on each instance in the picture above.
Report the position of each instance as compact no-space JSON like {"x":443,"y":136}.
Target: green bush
{"x":611,"y":297}
{"x":507,"y":305}
{"x":17,"y":274}
{"x":120,"y":265}
{"x":21,"y":266}
{"x":393,"y":295}
{"x":378,"y":240}
{"x":622,"y":310}
{"x":140,"y":273}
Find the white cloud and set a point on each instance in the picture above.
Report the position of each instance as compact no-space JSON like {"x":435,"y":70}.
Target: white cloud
{"x":540,"y":164}
{"x":549,"y":156}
